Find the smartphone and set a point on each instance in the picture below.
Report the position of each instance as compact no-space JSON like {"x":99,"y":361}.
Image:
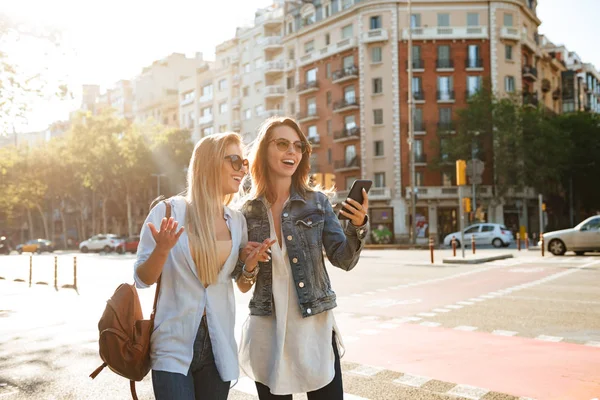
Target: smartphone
{"x":356,"y":193}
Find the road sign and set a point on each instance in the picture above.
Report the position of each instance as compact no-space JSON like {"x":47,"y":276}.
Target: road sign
{"x":475,"y":180}
{"x":477,"y":165}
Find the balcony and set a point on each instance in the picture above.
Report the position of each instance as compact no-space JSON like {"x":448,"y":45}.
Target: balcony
{"x":420,"y":159}
{"x":332,"y":49}
{"x":307,"y":87}
{"x":207,"y":98}
{"x":374,"y":35}
{"x":556,"y":94}
{"x":530,"y":99}
{"x":205,"y":119}
{"x":236,"y":80}
{"x":446,"y":32}
{"x":270,"y":19}
{"x":274,"y":91}
{"x":446,"y":127}
{"x":236,"y":125}
{"x":546,"y":86}
{"x":418,"y":96}
{"x":375,"y":194}
{"x":315,"y":141}
{"x":352,"y":164}
{"x":235,"y":58}
{"x":236,"y":103}
{"x":529,"y":42}
{"x":345,"y":74}
{"x":509,"y":33}
{"x":346,"y":105}
{"x":271,"y":113}
{"x":187,"y":100}
{"x":311,"y":115}
{"x":435,"y":192}
{"x":290,"y":65}
{"x":443,"y":64}
{"x":346,"y":135}
{"x":474,"y":64}
{"x":271,"y":43}
{"x":530,"y":73}
{"x":417,"y":65}
{"x":274,"y":67}
{"x":445,"y":96}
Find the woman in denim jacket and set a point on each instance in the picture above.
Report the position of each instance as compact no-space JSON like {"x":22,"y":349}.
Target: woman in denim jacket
{"x":290,"y":340}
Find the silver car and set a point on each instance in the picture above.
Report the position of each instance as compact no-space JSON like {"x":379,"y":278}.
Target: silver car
{"x":485,"y":234}
{"x":584,"y":237}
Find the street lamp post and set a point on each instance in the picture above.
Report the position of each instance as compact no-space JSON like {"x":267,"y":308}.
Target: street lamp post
{"x":158,"y":176}
{"x":411,"y":136}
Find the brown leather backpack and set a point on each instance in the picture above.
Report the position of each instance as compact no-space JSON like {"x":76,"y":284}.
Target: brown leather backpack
{"x":125,"y":335}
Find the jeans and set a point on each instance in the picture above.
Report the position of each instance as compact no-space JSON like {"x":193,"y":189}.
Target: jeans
{"x":202,"y":381}
{"x":333,"y":391}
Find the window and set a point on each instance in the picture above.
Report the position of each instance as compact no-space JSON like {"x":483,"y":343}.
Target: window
{"x":309,"y":47}
{"x":310,"y":75}
{"x":258,"y":110}
{"x":349,"y":95}
{"x":474,"y":84}
{"x":347,"y":32}
{"x":472,"y":19}
{"x":206,"y":111}
{"x":312,"y":131}
{"x":291,"y":54}
{"x":416,"y":86}
{"x":309,"y":19}
{"x":348,"y":62}
{"x":377,"y":85}
{"x":419,"y":178}
{"x":350,"y":154}
{"x":379,"y":179}
{"x":328,"y":70}
{"x":509,"y":84}
{"x":246,"y":68}
{"x":378,"y":146}
{"x":223,"y":84}
{"x":415,"y":21}
{"x":329,"y":157}
{"x":487,"y":228}
{"x":472,"y":229}
{"x":376,"y":54}
{"x":223,"y":108}
{"x":418,"y":120}
{"x":448,"y":178}
{"x":222,"y":128}
{"x":416,"y":57}
{"x":290,"y":82}
{"x":246,"y":91}
{"x":257,"y":63}
{"x":508,"y":19}
{"x":508,"y":52}
{"x":290,"y":27}
{"x":328,"y":127}
{"x":375,"y":22}
{"x":443,"y":19}
{"x":418,"y":148}
{"x":326,"y":11}
{"x":328,"y":98}
{"x":347,"y":4}
{"x":207,"y":131}
{"x":311,"y":106}
{"x":327,"y":39}
{"x":378,"y":116}
{"x":473,"y":56}
{"x":443,"y":54}
{"x":445,"y":115}
{"x":292,"y":107}
{"x":207,"y":92}
{"x":445,"y":87}
{"x":247,"y":114}
{"x":349,"y":122}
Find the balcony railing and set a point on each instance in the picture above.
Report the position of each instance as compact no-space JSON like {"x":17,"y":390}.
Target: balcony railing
{"x":509,"y":33}
{"x":446,"y":32}
{"x":271,"y":41}
{"x":315,"y":141}
{"x":546,"y":86}
{"x":530,"y":99}
{"x":445,"y":95}
{"x":206,"y":98}
{"x":307,"y":87}
{"x":530,"y":72}
{"x":472,"y":63}
{"x":419,"y":127}
{"x":274,"y":66}
{"x":444,"y":63}
{"x":271,"y":113}
{"x":346,"y":134}
{"x":274,"y":91}
{"x":420,"y":158}
{"x":345,"y":105}
{"x":332,"y":49}
{"x":418,"y":95}
{"x":205,"y":119}
{"x":310,"y":115}
{"x":345,"y":74}
{"x":347,"y":164}
{"x":417,"y":64}
{"x":374,"y":35}
{"x":446,"y":126}
{"x":556,"y":94}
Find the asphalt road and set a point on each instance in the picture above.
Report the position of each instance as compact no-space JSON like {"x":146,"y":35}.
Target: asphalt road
{"x":526,"y":327}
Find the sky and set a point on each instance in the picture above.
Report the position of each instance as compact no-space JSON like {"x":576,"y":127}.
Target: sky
{"x":114,"y":39}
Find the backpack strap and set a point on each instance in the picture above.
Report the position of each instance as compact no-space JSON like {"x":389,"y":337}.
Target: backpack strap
{"x":133,"y":392}
{"x":167,"y":216}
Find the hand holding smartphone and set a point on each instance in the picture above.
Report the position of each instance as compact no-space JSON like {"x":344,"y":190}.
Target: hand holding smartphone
{"x":356,"y":193}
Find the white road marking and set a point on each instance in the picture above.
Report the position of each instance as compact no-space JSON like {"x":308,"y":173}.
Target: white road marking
{"x":370,"y":318}
{"x":426,"y":314}
{"x":404,"y":320}
{"x":382,"y":290}
{"x":549,"y":338}
{"x":488,"y":296}
{"x":440,"y":310}
{"x":465,"y":303}
{"x":467,"y":391}
{"x":368,"y":332}
{"x":466,"y":328}
{"x":454,"y":306}
{"x":478,"y":299}
{"x":366,"y":370}
{"x":592,"y":344}
{"x":412,"y":380}
{"x":384,"y":303}
{"x":430,"y":324}
{"x":500,"y":332}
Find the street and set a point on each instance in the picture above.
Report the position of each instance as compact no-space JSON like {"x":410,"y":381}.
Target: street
{"x":522,"y":328}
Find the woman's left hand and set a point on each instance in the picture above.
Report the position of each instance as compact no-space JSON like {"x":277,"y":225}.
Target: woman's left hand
{"x":358,"y":211}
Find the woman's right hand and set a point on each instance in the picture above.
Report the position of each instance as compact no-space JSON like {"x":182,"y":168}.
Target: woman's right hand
{"x":167,"y":236}
{"x":255,"y":252}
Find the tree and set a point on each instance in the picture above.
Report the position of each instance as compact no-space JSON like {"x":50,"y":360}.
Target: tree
{"x":171,"y":152}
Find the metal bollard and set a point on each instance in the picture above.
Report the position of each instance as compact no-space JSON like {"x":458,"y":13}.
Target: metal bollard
{"x":542,"y":243}
{"x":56,"y":273}
{"x":30,"y":269}
{"x":518,"y":241}
{"x":473,"y":243}
{"x":75,"y":272}
{"x":453,"y":246}
{"x":431,"y":247}
{"x":526,"y":241}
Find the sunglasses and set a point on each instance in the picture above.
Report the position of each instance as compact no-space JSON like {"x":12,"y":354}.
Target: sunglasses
{"x":284,"y":145}
{"x":237,"y":162}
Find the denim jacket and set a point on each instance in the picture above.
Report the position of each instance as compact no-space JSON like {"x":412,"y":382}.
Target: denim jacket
{"x":308,"y":224}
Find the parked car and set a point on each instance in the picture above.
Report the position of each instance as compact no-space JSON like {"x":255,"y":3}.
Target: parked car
{"x":36,"y":246}
{"x":128,"y":245}
{"x":102,"y":242}
{"x":5,"y":245}
{"x":495,"y":234}
{"x":584,"y":237}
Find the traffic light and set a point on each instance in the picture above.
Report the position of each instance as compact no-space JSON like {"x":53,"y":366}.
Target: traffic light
{"x":461,"y":172}
{"x":543,"y":206}
{"x":467,"y":204}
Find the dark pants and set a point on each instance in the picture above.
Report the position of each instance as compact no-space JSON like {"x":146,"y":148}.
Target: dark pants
{"x":333,"y":391}
{"x":202,"y":381}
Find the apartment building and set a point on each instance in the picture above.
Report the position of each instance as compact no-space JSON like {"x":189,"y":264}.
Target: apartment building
{"x":118,"y":98}
{"x":196,"y":108}
{"x":156,"y":89}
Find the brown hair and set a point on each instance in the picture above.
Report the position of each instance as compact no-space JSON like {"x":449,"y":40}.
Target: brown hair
{"x":205,"y":201}
{"x":259,"y":164}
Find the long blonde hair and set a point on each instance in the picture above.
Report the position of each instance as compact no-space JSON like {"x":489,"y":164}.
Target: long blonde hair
{"x":259,"y":163}
{"x":205,"y":201}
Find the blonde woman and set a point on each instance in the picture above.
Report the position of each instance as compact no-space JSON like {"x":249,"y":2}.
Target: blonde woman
{"x":290,"y":340}
{"x":193,"y":350}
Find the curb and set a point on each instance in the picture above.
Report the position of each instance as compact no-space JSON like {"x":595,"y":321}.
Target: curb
{"x":478,"y":260}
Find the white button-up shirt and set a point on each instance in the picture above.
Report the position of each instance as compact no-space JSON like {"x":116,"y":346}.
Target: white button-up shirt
{"x":183,"y":298}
